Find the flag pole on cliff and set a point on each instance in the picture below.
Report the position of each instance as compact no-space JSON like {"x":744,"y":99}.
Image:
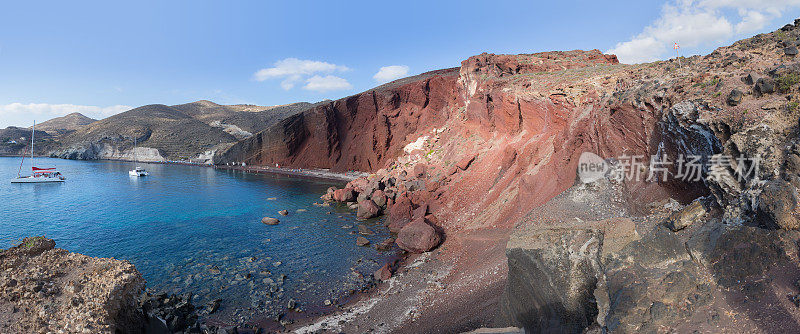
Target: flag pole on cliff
{"x":677,"y":56}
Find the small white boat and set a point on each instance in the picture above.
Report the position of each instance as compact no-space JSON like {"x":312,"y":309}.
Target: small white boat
{"x":38,"y":175}
{"x":138,"y":171}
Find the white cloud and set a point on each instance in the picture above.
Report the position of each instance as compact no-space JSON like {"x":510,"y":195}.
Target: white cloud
{"x":327,"y":83}
{"x":294,"y":70}
{"x":20,"y":114}
{"x":389,"y":73}
{"x":694,"y":24}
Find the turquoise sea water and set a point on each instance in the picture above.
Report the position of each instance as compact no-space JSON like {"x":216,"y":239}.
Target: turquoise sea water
{"x":197,"y":229}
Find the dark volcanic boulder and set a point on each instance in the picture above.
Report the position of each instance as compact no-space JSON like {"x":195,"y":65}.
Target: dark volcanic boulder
{"x":418,"y":237}
{"x":734,"y":98}
{"x":344,"y":195}
{"x":551,"y":279}
{"x":764,"y":86}
{"x":778,"y":206}
{"x":367,"y":209}
{"x":400,"y":214}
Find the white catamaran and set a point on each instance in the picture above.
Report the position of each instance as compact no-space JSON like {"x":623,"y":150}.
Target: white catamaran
{"x":138,"y":171}
{"x":38,"y":175}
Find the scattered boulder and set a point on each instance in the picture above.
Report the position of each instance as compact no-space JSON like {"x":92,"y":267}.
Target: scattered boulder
{"x":418,"y":237}
{"x":685,"y":217}
{"x":790,"y":51}
{"x":379,"y":197}
{"x":420,"y":212}
{"x":384,"y":273}
{"x":362,"y":196}
{"x":358,"y":184}
{"x":283,"y":212}
{"x":400,"y":214}
{"x":385,"y":245}
{"x":344,"y":195}
{"x":419,"y":170}
{"x":363,"y":230}
{"x":464,"y":163}
{"x":734,"y":97}
{"x":361,"y":241}
{"x":749,"y":79}
{"x":270,"y":221}
{"x":778,"y":206}
{"x":367,"y":209}
{"x":764,"y":85}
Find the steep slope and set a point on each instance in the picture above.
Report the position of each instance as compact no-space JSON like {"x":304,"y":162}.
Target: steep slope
{"x":160,"y":131}
{"x":61,"y":125}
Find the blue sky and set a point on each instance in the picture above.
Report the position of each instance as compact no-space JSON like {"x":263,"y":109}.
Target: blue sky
{"x":103,"y":57}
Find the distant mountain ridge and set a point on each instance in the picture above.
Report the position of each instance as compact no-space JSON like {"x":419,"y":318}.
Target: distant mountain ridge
{"x":63,"y":124}
{"x":190,"y":131}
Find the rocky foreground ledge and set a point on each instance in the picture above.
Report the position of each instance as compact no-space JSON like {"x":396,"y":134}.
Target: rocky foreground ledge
{"x":46,"y":289}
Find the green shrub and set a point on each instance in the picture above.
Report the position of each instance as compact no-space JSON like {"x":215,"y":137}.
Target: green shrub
{"x":785,"y":82}
{"x":794,"y":105}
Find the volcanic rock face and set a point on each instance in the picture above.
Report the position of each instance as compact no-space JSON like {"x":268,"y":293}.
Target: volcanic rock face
{"x":360,"y":132}
{"x":45,"y":289}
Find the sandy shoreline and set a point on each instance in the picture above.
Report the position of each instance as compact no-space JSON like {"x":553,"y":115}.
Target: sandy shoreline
{"x":297,"y":172}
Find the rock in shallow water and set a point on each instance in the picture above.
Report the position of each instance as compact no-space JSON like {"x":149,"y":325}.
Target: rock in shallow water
{"x":367,"y":209}
{"x":361,"y":241}
{"x":363,"y":230}
{"x":270,"y":221}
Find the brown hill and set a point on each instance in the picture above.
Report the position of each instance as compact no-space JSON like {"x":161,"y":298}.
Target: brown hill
{"x":17,"y":141}
{"x":240,"y":120}
{"x":64,"y":124}
{"x":186,"y":131}
{"x":174,"y":134}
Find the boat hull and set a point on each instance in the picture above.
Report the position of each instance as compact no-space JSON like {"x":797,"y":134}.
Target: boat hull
{"x":137,"y":173}
{"x":36,"y":180}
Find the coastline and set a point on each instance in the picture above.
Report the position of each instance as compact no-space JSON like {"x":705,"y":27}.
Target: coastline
{"x":324,"y":174}
{"x":297,"y":172}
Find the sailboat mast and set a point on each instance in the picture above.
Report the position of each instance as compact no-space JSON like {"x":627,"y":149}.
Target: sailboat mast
{"x":33,"y":134}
